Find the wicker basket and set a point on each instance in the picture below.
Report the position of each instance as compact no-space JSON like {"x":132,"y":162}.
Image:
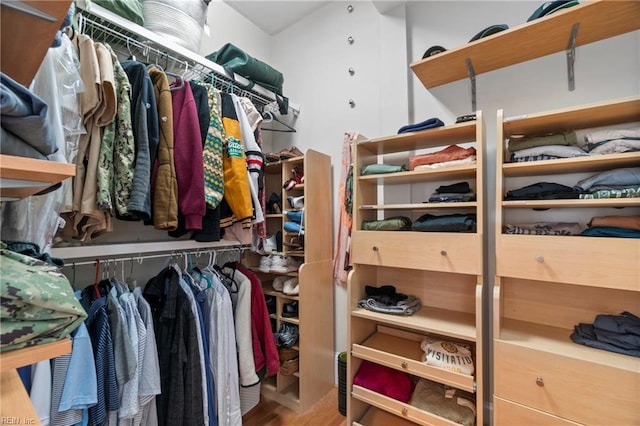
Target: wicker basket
{"x":287,"y":354}
{"x":289,"y":367}
{"x":180,"y":21}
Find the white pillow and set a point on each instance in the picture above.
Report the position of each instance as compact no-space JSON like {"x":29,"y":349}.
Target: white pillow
{"x":451,"y":356}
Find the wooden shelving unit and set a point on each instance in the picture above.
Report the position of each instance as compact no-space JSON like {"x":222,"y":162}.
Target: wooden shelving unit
{"x":299,"y":391}
{"x":442,"y":269}
{"x":597,"y":20}
{"x":546,"y":284}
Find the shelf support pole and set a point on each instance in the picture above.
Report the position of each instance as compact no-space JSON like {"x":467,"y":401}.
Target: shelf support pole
{"x":472,"y":78}
{"x":571,"y":57}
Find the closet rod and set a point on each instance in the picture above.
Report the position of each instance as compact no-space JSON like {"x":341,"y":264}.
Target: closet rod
{"x":139,"y":257}
{"x":123,"y":30}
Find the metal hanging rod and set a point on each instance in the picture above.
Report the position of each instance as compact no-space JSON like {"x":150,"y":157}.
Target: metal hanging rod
{"x":129,"y":39}
{"x":141,"y":256}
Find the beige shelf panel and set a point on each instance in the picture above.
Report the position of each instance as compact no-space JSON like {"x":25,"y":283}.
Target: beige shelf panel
{"x":557,"y":341}
{"x":572,"y":203}
{"x":421,"y":206}
{"x":459,"y":325}
{"x":592,"y":164}
{"x":598,"y":20}
{"x":401,"y":350}
{"x":42,"y":173}
{"x":431,"y":138}
{"x":377,"y":417}
{"x":587,"y":116}
{"x":417,"y":176}
{"x":26,"y":356}
{"x":16,"y":405}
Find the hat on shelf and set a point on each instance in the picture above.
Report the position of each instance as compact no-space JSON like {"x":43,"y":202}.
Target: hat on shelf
{"x":490,"y":30}
{"x":433,"y":50}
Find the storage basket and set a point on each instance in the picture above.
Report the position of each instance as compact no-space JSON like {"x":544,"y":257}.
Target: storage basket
{"x":180,"y":21}
{"x":289,"y":367}
{"x":287,"y":354}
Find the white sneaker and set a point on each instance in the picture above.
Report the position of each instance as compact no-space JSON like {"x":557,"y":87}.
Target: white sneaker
{"x":278,"y":283}
{"x":296,"y":202}
{"x":278,"y":264}
{"x":265,"y":264}
{"x":291,"y":287}
{"x":270,"y":244}
{"x":293,"y":264}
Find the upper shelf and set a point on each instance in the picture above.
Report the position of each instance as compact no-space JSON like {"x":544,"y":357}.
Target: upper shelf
{"x":22,"y":176}
{"x":597,"y":20}
{"x":30,"y":355}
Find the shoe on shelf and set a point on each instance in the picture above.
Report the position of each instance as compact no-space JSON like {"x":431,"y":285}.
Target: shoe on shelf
{"x":291,"y":288}
{"x":292,"y":264}
{"x":294,"y":227}
{"x":298,"y":174}
{"x":274,"y":204}
{"x":287,"y":335}
{"x":272,"y":157}
{"x":294,"y":215}
{"x":265,"y":264}
{"x":290,"y":310}
{"x":289,"y":184}
{"x":293,"y":152}
{"x":270,"y":244}
{"x":278,"y":283}
{"x":296,"y":202}
{"x":295,"y":242}
{"x":279,"y":264}
{"x":271,"y":303}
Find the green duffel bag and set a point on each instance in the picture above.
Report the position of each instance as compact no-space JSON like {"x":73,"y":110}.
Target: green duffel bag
{"x":38,"y":303}
{"x":128,"y":9}
{"x":234,"y":59}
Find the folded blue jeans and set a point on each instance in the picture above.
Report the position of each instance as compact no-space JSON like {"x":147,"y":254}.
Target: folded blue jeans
{"x":429,"y":123}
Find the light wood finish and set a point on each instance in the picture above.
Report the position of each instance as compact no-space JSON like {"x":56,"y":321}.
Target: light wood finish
{"x":23,"y":33}
{"x":270,"y":413}
{"x":444,"y":270}
{"x":22,"y":176}
{"x":545,"y":258}
{"x":438,"y":251}
{"x":300,"y":391}
{"x":509,"y":413}
{"x":20,"y":357}
{"x":550,"y":34}
{"x":546,"y":285}
{"x":567,"y":387}
{"x":15,"y":405}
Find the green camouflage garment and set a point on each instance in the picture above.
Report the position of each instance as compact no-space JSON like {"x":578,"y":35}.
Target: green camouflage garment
{"x":37,"y":302}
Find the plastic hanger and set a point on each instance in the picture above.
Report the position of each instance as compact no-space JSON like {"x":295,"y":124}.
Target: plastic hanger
{"x":268,"y":117}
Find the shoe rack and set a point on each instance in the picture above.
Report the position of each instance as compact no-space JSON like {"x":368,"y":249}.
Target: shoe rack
{"x":299,"y":390}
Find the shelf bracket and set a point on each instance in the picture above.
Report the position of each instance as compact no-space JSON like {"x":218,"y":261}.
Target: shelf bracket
{"x":472,"y":78}
{"x":571,"y":57}
{"x":23,"y":7}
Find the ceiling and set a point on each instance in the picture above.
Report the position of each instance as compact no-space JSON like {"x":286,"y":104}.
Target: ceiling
{"x":274,"y":16}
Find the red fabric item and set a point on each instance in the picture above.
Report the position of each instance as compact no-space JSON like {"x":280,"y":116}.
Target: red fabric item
{"x":265,"y":351}
{"x":450,"y":153}
{"x":384,"y":380}
{"x":187,"y":156}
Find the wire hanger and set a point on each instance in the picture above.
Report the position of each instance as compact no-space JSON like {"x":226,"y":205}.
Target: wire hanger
{"x":268,"y":117}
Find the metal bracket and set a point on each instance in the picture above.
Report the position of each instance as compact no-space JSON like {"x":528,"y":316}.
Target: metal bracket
{"x":571,"y":57}
{"x":472,"y":77}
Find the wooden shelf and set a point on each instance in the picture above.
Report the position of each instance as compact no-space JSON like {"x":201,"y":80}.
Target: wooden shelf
{"x":421,"y":206}
{"x":592,"y":164}
{"x":430,"y":320}
{"x":26,"y":356}
{"x":550,"y":34}
{"x":418,"y":176}
{"x":22,"y":176}
{"x":377,"y":417}
{"x":572,"y":203}
{"x":430,"y":138}
{"x":557,"y":341}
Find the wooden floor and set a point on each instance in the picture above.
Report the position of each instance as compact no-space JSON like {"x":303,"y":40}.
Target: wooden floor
{"x":323,"y":413}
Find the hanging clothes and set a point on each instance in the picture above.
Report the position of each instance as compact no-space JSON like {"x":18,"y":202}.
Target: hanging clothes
{"x":341,"y":261}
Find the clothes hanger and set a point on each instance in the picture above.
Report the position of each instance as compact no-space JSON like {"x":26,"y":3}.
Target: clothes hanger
{"x":268,"y":117}
{"x":179,"y":80}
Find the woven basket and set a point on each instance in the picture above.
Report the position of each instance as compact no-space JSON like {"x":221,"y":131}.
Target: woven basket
{"x":287,"y":354}
{"x":289,"y":367}
{"x":180,"y":21}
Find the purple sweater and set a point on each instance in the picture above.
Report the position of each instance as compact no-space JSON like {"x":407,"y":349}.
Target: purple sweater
{"x":187,"y":155}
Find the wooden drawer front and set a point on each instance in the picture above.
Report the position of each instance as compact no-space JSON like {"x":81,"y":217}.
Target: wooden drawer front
{"x":400,"y":409}
{"x":506,"y":413}
{"x":446,"y":252}
{"x":602,"y":262}
{"x":573,"y":389}
{"x":417,"y":368}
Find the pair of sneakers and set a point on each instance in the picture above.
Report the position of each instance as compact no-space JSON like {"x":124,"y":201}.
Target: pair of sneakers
{"x":287,"y":285}
{"x":287,"y":335}
{"x":278,"y":263}
{"x":296,"y":202}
